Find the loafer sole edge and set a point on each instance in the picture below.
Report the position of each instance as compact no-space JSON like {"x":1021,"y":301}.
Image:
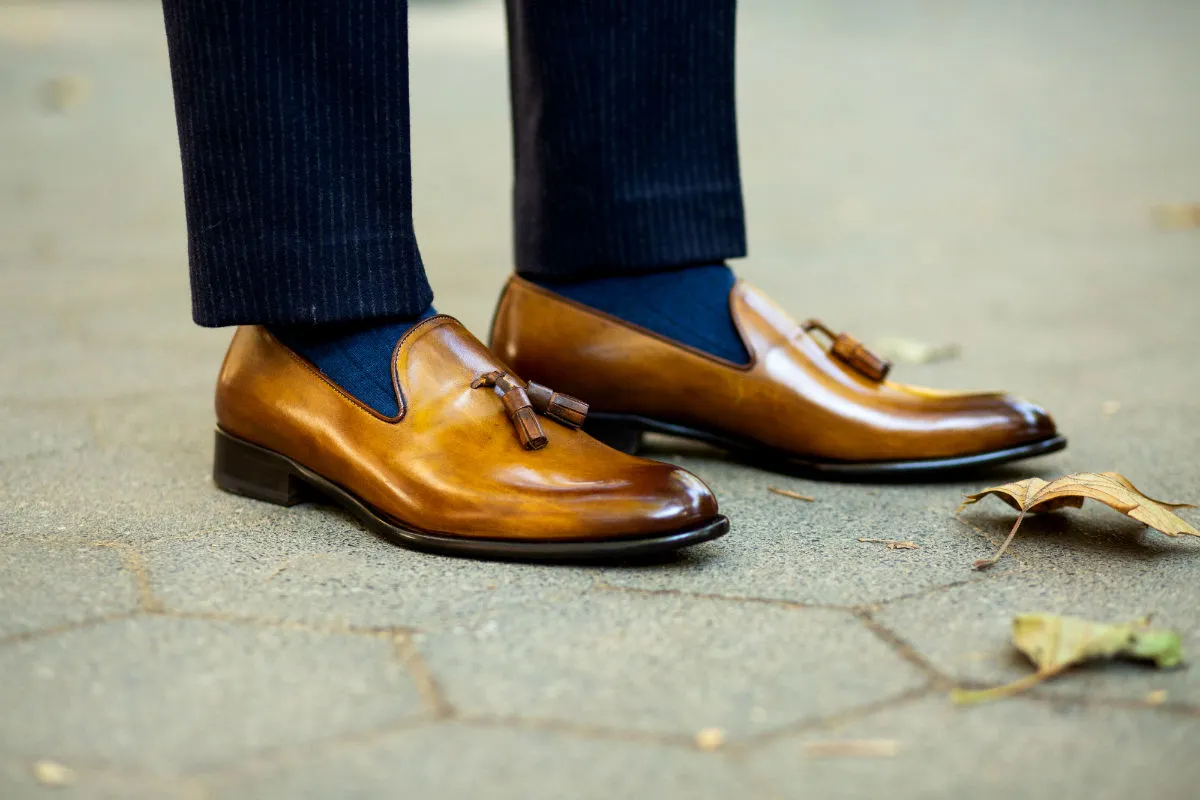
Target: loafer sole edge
{"x":624,"y":431}
{"x":246,"y":469}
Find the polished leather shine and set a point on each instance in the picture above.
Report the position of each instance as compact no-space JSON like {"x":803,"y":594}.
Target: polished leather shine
{"x":450,"y":461}
{"x":794,"y":396}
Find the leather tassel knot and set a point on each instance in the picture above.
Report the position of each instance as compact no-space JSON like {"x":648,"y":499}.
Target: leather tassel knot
{"x":562,"y":408}
{"x":853,"y":353}
{"x":524,"y":401}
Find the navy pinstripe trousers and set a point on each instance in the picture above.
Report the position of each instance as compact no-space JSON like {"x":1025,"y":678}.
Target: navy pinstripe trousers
{"x":294,"y":135}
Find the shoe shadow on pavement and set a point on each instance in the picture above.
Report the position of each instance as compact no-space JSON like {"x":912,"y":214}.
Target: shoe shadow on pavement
{"x":669,"y":448}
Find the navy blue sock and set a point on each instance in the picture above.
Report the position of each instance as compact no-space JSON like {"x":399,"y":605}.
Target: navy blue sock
{"x":689,"y":305}
{"x":357,"y":356}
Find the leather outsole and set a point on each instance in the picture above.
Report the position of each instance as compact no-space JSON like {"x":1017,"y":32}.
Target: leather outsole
{"x":624,"y":432}
{"x":247,"y":469}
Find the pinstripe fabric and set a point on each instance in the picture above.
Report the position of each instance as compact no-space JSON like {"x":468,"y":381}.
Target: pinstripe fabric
{"x":294,"y":135}
{"x":625,"y":138}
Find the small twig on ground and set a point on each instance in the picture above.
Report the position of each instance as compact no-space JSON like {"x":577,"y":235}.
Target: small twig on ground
{"x":966,"y":697}
{"x":276,"y":571}
{"x":852,"y":748}
{"x":793,"y":495}
{"x":894,"y":544}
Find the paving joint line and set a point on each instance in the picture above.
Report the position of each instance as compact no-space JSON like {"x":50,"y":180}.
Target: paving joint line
{"x":604,"y":586}
{"x":432,"y":694}
{"x":280,"y":755}
{"x":986,"y":576}
{"x":904,"y":650}
{"x":745,"y":746}
{"x":563,"y":727}
{"x":131,"y":561}
{"x":331,"y":629}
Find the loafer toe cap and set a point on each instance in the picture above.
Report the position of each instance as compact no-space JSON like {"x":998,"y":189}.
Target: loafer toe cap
{"x":1029,"y":421}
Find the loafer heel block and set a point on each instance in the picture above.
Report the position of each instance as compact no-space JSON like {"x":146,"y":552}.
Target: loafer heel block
{"x":241,"y":468}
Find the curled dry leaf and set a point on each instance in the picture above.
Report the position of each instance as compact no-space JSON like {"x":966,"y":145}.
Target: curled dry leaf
{"x":1055,"y":643}
{"x":1034,"y":495}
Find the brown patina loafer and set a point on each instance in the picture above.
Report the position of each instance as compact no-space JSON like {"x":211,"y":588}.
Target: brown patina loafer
{"x":476,"y":463}
{"x":809,"y":401}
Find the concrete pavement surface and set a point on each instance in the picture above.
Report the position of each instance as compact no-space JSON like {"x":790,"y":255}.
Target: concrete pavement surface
{"x":1008,"y":178}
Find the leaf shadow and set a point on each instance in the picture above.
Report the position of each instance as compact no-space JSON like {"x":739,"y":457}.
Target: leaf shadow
{"x":1091,"y":531}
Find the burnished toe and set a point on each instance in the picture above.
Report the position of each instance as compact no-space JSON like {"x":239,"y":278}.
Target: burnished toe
{"x":687,"y":500}
{"x":1034,"y":422}
{"x":1025,"y":422}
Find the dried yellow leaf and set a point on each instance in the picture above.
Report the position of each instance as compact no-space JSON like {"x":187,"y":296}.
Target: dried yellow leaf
{"x":1055,"y":643}
{"x":1034,"y":495}
{"x":1052,"y":642}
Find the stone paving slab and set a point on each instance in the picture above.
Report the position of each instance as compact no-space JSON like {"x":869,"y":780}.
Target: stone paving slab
{"x":86,"y":582}
{"x":786,"y":549}
{"x":318,"y":565}
{"x":34,"y":431}
{"x":667,"y":664}
{"x":177,"y":693}
{"x":19,"y":782}
{"x":117,"y":494}
{"x":495,"y":763}
{"x":1012,"y":749}
{"x":37,"y":373}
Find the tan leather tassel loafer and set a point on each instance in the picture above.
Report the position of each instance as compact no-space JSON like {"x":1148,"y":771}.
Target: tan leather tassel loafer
{"x":809,"y":401}
{"x":476,"y":463}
